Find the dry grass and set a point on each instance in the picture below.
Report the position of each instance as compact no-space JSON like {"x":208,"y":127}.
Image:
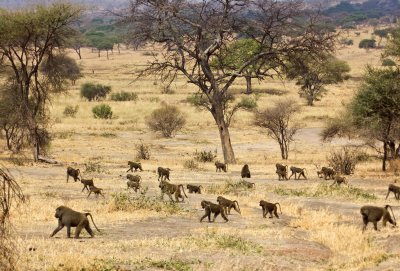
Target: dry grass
{"x":317,"y":231}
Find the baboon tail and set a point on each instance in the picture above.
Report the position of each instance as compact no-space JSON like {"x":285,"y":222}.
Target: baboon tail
{"x":183,"y":190}
{"x":237,"y":203}
{"x":279,"y":206}
{"x":394,"y":218}
{"x":89,"y":214}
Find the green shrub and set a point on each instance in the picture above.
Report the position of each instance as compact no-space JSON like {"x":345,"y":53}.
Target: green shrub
{"x":102,"y":111}
{"x":387,"y":62}
{"x":70,"y":111}
{"x":94,"y":92}
{"x":142,"y":151}
{"x":124,"y":96}
{"x":205,"y":156}
{"x":191,"y":164}
{"x":167,"y":119}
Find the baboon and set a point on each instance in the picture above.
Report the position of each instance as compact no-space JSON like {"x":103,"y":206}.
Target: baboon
{"x":395,"y":189}
{"x":87,"y":183}
{"x":219,"y":166}
{"x":209,"y":208}
{"x":328,"y":173}
{"x":74,"y":173}
{"x":134,"y":178}
{"x":245,"y":172}
{"x":270,"y":208}
{"x":96,"y":191}
{"x":196,"y":189}
{"x":374,"y":214}
{"x":172,"y":189}
{"x":248,"y":184}
{"x":163,"y":173}
{"x":134,"y":165}
{"x":134,"y":185}
{"x":297,"y":170}
{"x":281,"y":170}
{"x":339,"y":180}
{"x":228,"y":204}
{"x":70,"y":218}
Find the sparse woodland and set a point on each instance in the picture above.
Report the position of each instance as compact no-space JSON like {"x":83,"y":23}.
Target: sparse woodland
{"x":188,"y":86}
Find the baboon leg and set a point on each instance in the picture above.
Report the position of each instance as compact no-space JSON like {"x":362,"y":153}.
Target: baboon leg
{"x":69,"y":231}
{"x":304,"y":175}
{"x":67,"y":177}
{"x":102,"y":195}
{"x":292,"y":175}
{"x":276,"y":213}
{"x":78,"y":230}
{"x":90,"y":192}
{"x":224,"y":217}
{"x":89,"y":230}
{"x":83,"y":188}
{"x":170,"y":197}
{"x":375,"y":225}
{"x":204,"y":216}
{"x":177,"y":197}
{"x":270,"y":214}
{"x":59,"y":228}
{"x":215,"y":216}
{"x":365,"y":221}
{"x":264,"y":212}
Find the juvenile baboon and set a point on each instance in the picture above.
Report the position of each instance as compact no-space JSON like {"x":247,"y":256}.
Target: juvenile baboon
{"x":196,"y":189}
{"x":374,"y":214}
{"x":134,"y":185}
{"x":339,"y":180}
{"x":172,"y":189}
{"x":209,"y":208}
{"x":328,"y":173}
{"x":395,"y":189}
{"x":70,"y":218}
{"x":96,"y":191}
{"x":281,"y":170}
{"x":228,"y":204}
{"x":248,"y":184}
{"x":74,"y":173}
{"x":163,"y":173}
{"x":297,"y":170}
{"x":245,"y":173}
{"x":134,"y":165}
{"x":219,"y":166}
{"x":134,"y":178}
{"x":87,"y":183}
{"x":270,"y":208}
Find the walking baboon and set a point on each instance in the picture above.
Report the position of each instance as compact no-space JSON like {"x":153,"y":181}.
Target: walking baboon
{"x":228,"y":204}
{"x":134,"y":185}
{"x":70,"y":218}
{"x":282,"y":171}
{"x":172,"y":189}
{"x":134,"y":165}
{"x":163,"y":173}
{"x":297,"y":170}
{"x":245,"y":172}
{"x":96,"y":191}
{"x":87,"y":183}
{"x":74,"y":173}
{"x":219,"y":166}
{"x":270,"y":208}
{"x":248,"y":184}
{"x":374,"y":214}
{"x":395,"y":189}
{"x":328,"y":173}
{"x":209,"y":208}
{"x":196,"y":189}
{"x":134,"y":178}
{"x":339,"y":180}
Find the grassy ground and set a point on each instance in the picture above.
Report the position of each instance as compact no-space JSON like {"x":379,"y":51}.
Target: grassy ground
{"x":320,"y":228}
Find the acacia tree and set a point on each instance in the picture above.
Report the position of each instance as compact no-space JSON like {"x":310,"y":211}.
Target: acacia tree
{"x":194,"y":34}
{"x":313,"y":73}
{"x":28,"y":38}
{"x":278,"y":120}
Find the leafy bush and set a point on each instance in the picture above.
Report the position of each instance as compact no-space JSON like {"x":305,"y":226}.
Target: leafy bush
{"x":124,"y":96}
{"x":167,"y":90}
{"x":387,"y":62}
{"x":205,"y":156}
{"x":367,"y":44}
{"x":168,"y":120}
{"x":70,"y":111}
{"x":102,"y":111}
{"x":345,"y":160}
{"x":94,"y":92}
{"x":93,"y":167}
{"x":191,"y":164}
{"x":229,"y":187}
{"x":142,"y":151}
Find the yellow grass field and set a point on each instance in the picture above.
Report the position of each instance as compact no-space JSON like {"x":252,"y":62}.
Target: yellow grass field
{"x":320,"y":228}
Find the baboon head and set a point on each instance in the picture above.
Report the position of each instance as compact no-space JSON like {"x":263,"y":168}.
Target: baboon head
{"x":60,"y":211}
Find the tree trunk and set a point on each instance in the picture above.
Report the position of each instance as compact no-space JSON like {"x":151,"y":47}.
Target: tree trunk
{"x":107,"y":54}
{"x":229,"y":155}
{"x":98,"y":52}
{"x":384,"y":156}
{"x":249,"y":89}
